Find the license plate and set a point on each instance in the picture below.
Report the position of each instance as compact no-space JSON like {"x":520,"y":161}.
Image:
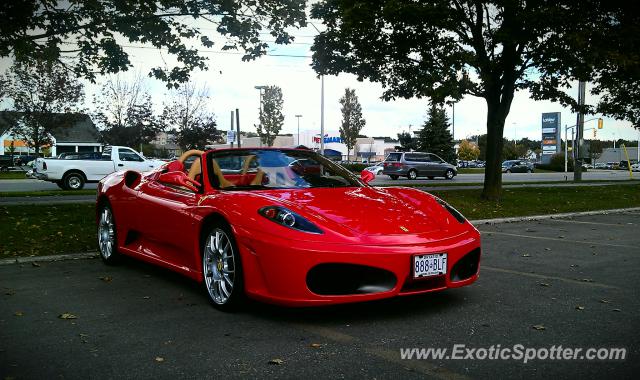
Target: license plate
{"x":429,"y":265}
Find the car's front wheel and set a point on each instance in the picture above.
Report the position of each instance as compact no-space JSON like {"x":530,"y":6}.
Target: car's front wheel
{"x":221,"y":268}
{"x":107,"y":236}
{"x":449,"y":174}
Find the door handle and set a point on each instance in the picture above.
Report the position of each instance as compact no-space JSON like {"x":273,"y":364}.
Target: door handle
{"x":120,"y":164}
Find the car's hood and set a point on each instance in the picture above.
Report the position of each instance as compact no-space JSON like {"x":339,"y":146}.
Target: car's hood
{"x":368,"y":210}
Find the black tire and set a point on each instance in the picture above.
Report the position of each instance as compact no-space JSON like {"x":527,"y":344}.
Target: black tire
{"x":107,"y":236}
{"x":394,"y":177}
{"x":216,"y":273}
{"x":73,"y":181}
{"x":431,"y":177}
{"x":449,"y":174}
{"x":61,"y":185}
{"x":413,"y":174}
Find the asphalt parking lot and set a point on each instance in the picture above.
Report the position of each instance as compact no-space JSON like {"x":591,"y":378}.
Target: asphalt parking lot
{"x":577,"y":280}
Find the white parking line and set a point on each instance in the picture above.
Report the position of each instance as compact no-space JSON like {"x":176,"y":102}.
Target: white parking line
{"x":547,"y":277}
{"x":596,"y":223}
{"x":563,"y":240}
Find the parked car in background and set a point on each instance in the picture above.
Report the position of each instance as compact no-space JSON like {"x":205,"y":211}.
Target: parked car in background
{"x":587,"y":166}
{"x":22,"y":160}
{"x":376,"y":169}
{"x":5,"y":163}
{"x":417,"y":164}
{"x":72,"y":174}
{"x":600,"y":165}
{"x":635,"y":167}
{"x":625,"y":164}
{"x":517,"y":166}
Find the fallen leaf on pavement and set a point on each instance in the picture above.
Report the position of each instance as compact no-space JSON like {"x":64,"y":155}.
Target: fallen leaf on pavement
{"x":526,"y":255}
{"x":67,"y":316}
{"x":617,"y":310}
{"x":579,"y":307}
{"x":587,"y":280}
{"x":315,"y":345}
{"x":35,"y":264}
{"x":547,"y":249}
{"x":106,"y":278}
{"x":544,"y":284}
{"x":276,"y":361}
{"x":539,"y":327}
{"x":159,"y":359}
{"x":18,"y":314}
{"x":605,"y":301}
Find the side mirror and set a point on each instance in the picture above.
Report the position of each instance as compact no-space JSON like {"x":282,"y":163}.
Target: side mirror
{"x":179,"y":179}
{"x":366,"y":176}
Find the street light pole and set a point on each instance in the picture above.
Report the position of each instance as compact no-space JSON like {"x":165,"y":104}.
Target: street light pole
{"x":260,"y":88}
{"x":298,"y":117}
{"x":577,"y":163}
{"x":321,"y":104}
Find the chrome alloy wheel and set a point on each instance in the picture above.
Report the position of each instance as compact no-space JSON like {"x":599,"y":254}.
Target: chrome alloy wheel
{"x":219,"y":266}
{"x":106,"y":233}
{"x":74,"y":183}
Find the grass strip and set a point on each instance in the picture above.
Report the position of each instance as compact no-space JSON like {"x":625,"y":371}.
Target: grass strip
{"x":39,"y":230}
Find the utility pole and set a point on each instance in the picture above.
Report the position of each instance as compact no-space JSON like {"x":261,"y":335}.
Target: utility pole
{"x":453,"y":121}
{"x":260,"y":88}
{"x":321,"y":114}
{"x":231,"y":129}
{"x":577,"y":163}
{"x":298,"y":117}
{"x":237,"y":126}
{"x":321,"y":104}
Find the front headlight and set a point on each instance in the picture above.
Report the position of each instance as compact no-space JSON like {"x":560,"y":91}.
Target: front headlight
{"x":288,"y":218}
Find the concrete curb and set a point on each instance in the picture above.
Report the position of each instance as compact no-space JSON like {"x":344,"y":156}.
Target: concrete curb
{"x":33,"y":259}
{"x":94,"y":255}
{"x":551,"y":216}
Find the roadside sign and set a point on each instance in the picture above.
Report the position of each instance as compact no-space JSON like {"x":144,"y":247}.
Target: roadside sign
{"x":231,"y":136}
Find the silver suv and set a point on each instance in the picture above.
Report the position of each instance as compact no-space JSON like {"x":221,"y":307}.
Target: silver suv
{"x":417,"y":164}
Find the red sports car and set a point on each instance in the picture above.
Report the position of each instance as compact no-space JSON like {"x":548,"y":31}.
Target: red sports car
{"x":284,"y":226}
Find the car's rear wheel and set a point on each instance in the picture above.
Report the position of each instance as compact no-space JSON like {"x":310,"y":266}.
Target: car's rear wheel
{"x":73,"y":181}
{"x":393,"y":177}
{"x":412,"y":174}
{"x":221,"y":268}
{"x":449,"y":174}
{"x":107,"y":236}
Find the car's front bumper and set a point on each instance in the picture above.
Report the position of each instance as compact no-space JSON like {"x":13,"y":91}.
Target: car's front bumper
{"x":276,"y":270}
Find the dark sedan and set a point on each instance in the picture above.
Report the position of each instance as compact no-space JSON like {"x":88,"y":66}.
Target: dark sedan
{"x":517,"y":166}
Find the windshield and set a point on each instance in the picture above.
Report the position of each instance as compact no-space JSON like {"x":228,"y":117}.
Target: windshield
{"x":246,"y":169}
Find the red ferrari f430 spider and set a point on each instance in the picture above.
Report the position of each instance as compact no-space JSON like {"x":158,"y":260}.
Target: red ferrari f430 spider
{"x":285,"y":226}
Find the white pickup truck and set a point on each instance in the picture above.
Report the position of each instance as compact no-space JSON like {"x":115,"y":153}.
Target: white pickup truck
{"x":73,"y":174}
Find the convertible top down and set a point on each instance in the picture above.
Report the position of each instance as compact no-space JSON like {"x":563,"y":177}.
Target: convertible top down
{"x":284,"y":226}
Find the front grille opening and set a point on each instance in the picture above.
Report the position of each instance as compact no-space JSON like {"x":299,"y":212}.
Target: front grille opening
{"x":342,"y":279}
{"x":423,"y":284}
{"x":467,"y":266}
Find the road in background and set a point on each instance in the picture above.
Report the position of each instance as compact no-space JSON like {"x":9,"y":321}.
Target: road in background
{"x":611,"y":175}
{"x":575,"y":280}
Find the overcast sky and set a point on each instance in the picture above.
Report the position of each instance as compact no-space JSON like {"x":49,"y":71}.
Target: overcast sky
{"x":232,"y":82}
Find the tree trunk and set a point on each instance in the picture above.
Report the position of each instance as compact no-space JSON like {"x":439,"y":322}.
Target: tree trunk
{"x":493,"y":170}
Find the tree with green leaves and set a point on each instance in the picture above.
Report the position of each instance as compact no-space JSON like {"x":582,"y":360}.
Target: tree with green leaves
{"x":352,"y":120}
{"x":188,"y":111}
{"x":408,"y":143}
{"x":124,"y":113}
{"x":92,"y":37}
{"x":434,"y":137}
{"x":271,"y":117}
{"x":443,"y":50}
{"x":44,"y":96}
{"x":468,"y":151}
